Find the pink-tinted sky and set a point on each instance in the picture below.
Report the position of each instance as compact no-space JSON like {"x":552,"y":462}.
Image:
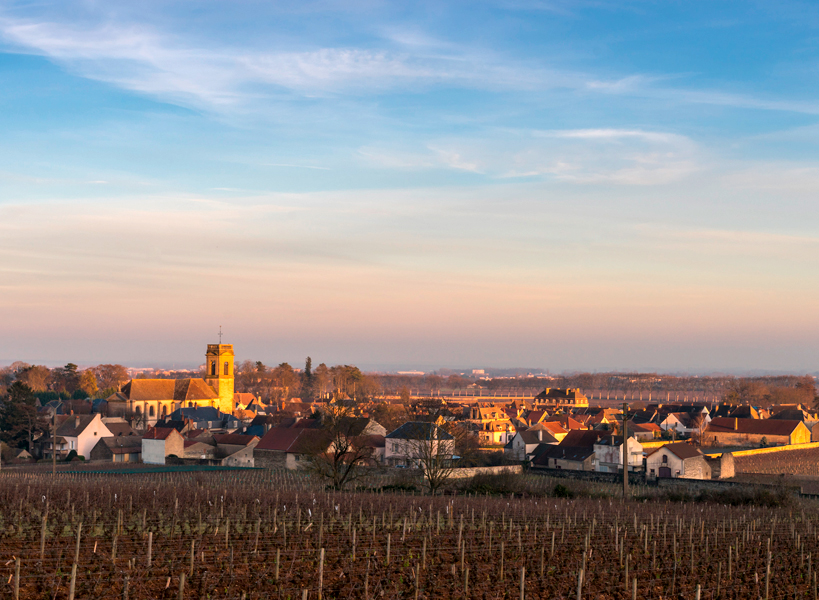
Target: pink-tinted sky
{"x":556,"y":185}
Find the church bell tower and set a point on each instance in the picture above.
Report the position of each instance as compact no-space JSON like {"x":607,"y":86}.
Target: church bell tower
{"x":219,"y":374}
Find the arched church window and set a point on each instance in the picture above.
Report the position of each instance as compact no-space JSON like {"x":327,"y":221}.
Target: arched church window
{"x":138,"y":410}
{"x":151,"y":411}
{"x":213,"y":368}
{"x":227,"y":368}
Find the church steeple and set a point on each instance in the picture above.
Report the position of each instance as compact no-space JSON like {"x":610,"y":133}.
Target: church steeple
{"x":219,"y":373}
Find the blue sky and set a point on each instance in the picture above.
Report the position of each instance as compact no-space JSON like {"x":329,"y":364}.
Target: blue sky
{"x":568,"y":185}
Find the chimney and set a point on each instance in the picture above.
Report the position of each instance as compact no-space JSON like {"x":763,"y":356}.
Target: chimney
{"x":540,"y":435}
{"x":77,"y":422}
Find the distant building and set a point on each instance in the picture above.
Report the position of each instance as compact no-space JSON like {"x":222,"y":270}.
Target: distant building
{"x":560,"y":398}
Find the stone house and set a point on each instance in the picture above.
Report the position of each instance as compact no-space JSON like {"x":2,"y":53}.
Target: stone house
{"x":722,"y":465}
{"x":161,"y":442}
{"x":678,"y":460}
{"x":727,"y":431}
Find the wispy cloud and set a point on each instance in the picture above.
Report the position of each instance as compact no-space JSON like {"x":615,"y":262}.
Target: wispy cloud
{"x":574,"y":155}
{"x":143,"y":59}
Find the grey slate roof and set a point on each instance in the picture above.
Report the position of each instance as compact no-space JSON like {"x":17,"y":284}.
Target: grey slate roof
{"x":419,"y":430}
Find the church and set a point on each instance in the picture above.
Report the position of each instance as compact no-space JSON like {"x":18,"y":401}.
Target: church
{"x":145,"y":401}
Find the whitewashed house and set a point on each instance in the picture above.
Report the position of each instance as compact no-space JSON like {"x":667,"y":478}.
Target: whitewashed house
{"x":608,"y":454}
{"x":80,"y":433}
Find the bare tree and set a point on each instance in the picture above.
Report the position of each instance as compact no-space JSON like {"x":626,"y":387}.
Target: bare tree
{"x":698,"y":425}
{"x":430,"y":447}
{"x":340,"y":449}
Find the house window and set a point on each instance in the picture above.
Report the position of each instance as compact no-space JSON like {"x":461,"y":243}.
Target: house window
{"x":665,"y":459}
{"x":72,"y":444}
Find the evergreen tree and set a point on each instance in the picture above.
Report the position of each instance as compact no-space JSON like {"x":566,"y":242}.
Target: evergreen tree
{"x":307,"y":384}
{"x":19,"y":419}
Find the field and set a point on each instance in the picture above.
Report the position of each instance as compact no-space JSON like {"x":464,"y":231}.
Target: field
{"x":261,"y":534}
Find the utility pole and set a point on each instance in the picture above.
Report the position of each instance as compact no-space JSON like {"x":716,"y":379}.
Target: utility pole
{"x":54,"y":443}
{"x":625,"y":450}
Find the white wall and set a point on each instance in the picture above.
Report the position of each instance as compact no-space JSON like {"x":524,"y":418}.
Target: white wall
{"x":90,"y":436}
{"x":153,"y":452}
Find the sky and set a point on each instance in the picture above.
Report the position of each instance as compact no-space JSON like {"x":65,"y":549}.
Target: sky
{"x":567,"y":185}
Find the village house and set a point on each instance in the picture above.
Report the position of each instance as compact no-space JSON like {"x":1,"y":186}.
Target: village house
{"x":204,"y":449}
{"x":290,"y":447}
{"x":679,"y":422}
{"x":161,"y":442}
{"x":678,"y":460}
{"x":553,"y":428}
{"x":574,"y":453}
{"x":491,"y":423}
{"x":118,"y":449}
{"x":410,"y":443}
{"x":645,"y":432}
{"x":560,"y":398}
{"x":567,"y":422}
{"x":727,"y":431}
{"x":523,"y":444}
{"x":230,"y":443}
{"x":608,"y":454}
{"x":75,"y":432}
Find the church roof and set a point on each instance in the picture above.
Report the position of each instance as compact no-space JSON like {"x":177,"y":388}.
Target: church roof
{"x":180,"y":390}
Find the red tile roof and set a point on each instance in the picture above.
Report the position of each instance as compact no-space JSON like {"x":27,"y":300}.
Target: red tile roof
{"x":565,"y":421}
{"x":159,"y":433}
{"x":752,"y":426}
{"x":682,"y":450}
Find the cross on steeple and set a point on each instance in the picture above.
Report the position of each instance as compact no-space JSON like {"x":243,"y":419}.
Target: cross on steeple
{"x":220,"y":334}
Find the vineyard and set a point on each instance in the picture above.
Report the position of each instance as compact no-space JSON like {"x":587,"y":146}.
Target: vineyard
{"x":262,"y":534}
{"x":792,"y":462}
